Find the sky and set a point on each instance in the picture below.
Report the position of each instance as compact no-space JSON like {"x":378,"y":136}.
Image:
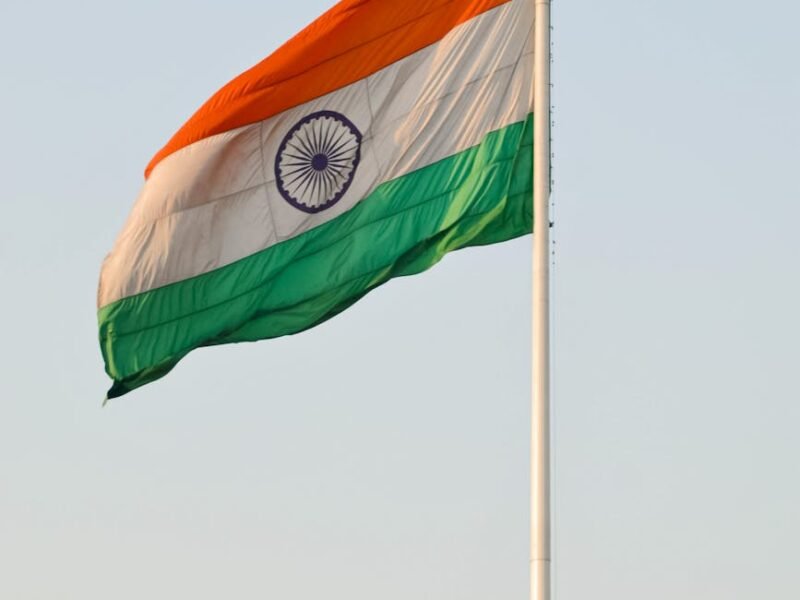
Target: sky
{"x":384,"y":454}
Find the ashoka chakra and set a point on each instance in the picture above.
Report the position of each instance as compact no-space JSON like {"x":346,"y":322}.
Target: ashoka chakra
{"x":317,"y":161}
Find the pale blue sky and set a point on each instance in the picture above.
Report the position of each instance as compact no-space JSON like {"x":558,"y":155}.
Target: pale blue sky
{"x":384,"y":454}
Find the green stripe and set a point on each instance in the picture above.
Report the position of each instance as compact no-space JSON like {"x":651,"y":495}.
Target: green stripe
{"x":479,"y":196}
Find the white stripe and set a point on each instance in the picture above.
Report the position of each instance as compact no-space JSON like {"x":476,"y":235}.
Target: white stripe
{"x":216,"y":201}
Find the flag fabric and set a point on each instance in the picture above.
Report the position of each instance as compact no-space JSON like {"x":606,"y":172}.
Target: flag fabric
{"x":378,"y":139}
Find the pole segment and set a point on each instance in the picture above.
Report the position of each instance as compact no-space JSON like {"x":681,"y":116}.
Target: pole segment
{"x":540,"y":408}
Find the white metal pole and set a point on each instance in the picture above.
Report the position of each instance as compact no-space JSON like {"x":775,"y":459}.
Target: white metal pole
{"x":540,"y":408}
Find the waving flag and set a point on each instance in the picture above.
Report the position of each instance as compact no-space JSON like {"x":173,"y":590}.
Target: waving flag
{"x":381,"y":137}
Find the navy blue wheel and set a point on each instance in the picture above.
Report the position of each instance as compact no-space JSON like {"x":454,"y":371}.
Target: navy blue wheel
{"x":317,"y":161}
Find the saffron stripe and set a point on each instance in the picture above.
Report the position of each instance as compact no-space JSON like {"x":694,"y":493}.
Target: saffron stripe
{"x":351,"y":41}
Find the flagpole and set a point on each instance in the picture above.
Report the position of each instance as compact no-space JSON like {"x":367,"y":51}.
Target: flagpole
{"x":540,"y":406}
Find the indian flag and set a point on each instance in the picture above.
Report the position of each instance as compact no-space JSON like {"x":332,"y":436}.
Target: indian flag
{"x":378,"y":139}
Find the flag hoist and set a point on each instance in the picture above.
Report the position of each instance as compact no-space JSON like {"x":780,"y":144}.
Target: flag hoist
{"x":378,"y":139}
